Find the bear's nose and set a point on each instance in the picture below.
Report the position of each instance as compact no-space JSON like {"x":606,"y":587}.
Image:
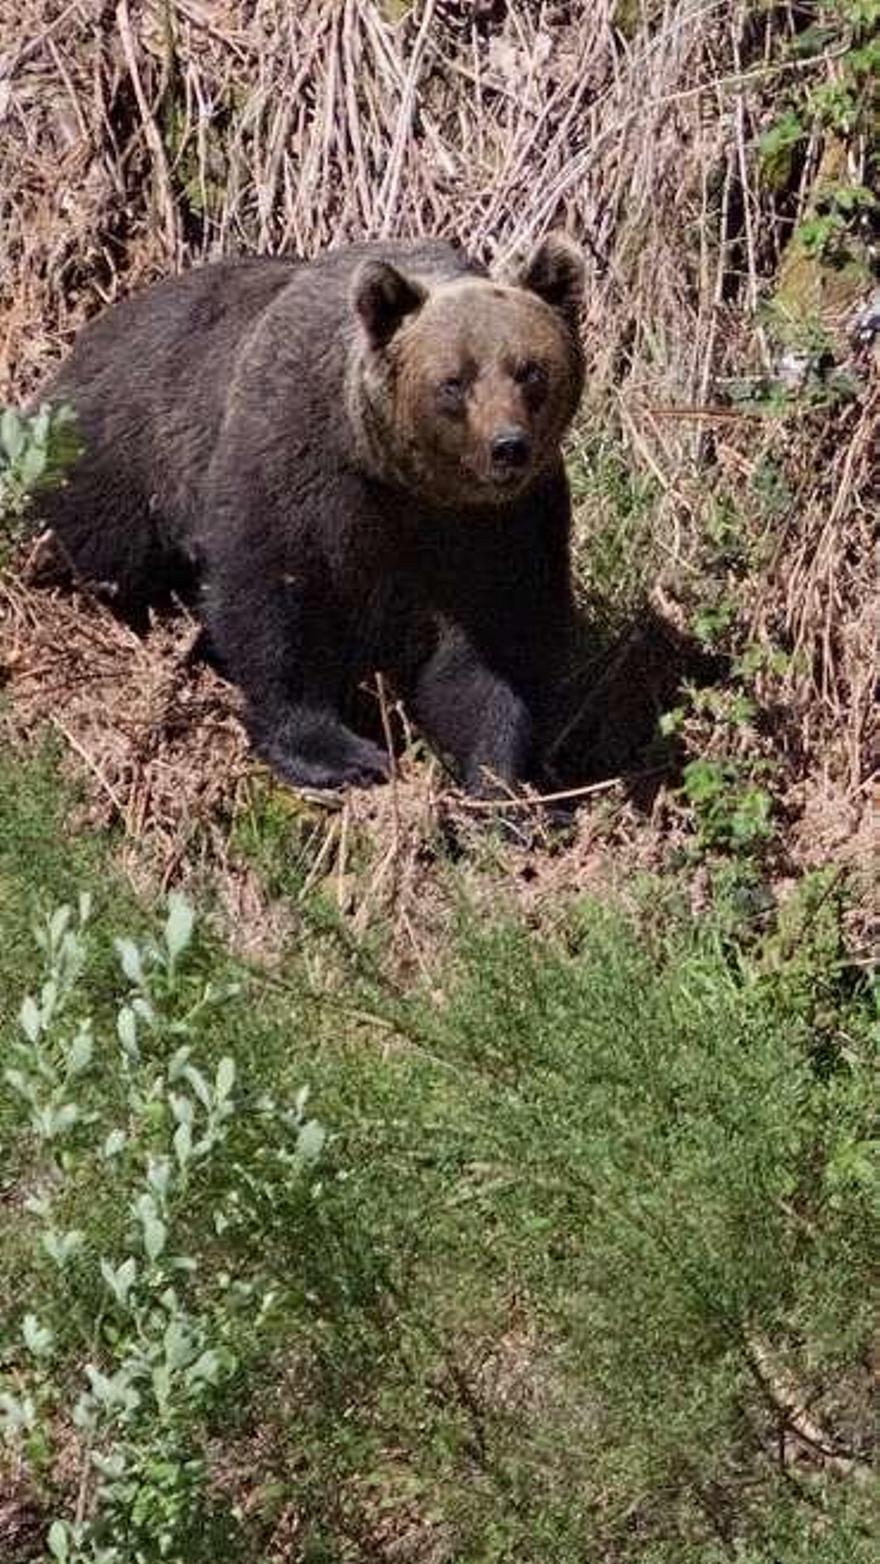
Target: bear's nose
{"x":510,"y":448}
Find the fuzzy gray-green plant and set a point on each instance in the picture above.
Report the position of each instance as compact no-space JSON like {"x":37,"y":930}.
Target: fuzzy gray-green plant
{"x":36,"y":450}
{"x":156,"y":1356}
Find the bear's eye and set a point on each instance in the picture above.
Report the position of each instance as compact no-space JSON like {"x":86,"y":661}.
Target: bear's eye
{"x":531,"y":375}
{"x":451,"y":393}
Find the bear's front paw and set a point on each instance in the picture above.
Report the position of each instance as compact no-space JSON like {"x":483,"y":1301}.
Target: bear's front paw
{"x":344,"y":760}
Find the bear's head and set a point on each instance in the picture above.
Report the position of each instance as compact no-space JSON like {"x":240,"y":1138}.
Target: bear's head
{"x":462,"y":389}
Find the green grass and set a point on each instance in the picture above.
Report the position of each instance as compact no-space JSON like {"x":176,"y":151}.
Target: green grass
{"x":614,"y":519}
{"x":564,"y":1236}
{"x":42,"y":862}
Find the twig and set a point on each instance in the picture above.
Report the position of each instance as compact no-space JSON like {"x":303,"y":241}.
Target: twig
{"x":92,"y":765}
{"x":788,"y":1400}
{"x":387,"y":200}
{"x":151,"y":131}
{"x":534,"y":800}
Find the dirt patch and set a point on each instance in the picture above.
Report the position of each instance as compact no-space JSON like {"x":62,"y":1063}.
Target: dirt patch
{"x":22,"y":1528}
{"x":151,"y":727}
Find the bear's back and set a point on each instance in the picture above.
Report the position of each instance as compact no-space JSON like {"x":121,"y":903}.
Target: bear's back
{"x":161,"y":362}
{"x":161,"y":379}
{"x":172,"y":342}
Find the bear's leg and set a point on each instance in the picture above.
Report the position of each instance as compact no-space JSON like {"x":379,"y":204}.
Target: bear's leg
{"x":474,"y":717}
{"x":309,"y":746}
{"x":293,"y":674}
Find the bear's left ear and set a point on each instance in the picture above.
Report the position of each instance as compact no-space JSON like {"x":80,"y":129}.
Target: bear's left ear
{"x":556,"y":272}
{"x":383,"y":297}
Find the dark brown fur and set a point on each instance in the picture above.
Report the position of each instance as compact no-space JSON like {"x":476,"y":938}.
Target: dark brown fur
{"x":357,"y":459}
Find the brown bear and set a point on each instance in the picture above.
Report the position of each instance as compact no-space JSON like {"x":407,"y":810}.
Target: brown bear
{"x":357,"y":461}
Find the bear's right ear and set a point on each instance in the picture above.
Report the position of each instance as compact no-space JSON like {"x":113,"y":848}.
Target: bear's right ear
{"x":555,"y":272}
{"x":383,"y":297}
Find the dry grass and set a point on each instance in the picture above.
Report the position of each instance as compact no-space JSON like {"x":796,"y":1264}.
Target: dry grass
{"x":156,"y":732}
{"x":140,"y":138}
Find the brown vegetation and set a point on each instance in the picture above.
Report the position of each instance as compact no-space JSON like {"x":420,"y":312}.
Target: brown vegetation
{"x":139,"y":138}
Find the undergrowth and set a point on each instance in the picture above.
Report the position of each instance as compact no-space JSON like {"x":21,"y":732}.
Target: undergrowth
{"x":573,"y":1262}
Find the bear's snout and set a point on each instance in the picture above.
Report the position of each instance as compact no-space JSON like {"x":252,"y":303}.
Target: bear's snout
{"x":510,"y":449}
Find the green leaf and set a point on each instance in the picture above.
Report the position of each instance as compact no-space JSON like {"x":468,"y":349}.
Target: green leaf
{"x":159,"y":1176}
{"x":32,"y":466}
{"x":155,"y":1234}
{"x":776,"y":148}
{"x":63,"y":1119}
{"x":183,"y":1144}
{"x":37,"y":1337}
{"x":177,"y":1344}
{"x":853,"y":198}
{"x":310,"y":1141}
{"x":225,"y":1078}
{"x":101,"y":1387}
{"x":178,"y":925}
{"x":29,"y":1018}
{"x":12,"y":433}
{"x":120,"y":1280}
{"x":199,"y":1085}
{"x":20,"y":1083}
{"x":79,"y":1054}
{"x":161,"y":1378}
{"x":17,"y":1414}
{"x":785,"y":132}
{"x":178,"y":1062}
{"x":181,"y":1107}
{"x":113,"y":1144}
{"x":58,"y":1542}
{"x":126,"y":1031}
{"x":39,"y":430}
{"x":112,"y":1465}
{"x":84,"y":1414}
{"x":704,"y":780}
{"x":206,"y":1367}
{"x":48,"y":1001}
{"x":58,"y":925}
{"x":61,"y":1246}
{"x":130,"y":960}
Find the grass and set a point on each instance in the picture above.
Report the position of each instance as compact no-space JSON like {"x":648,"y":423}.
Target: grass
{"x":614,"y":543}
{"x":42,"y":863}
{"x":544,"y":1289}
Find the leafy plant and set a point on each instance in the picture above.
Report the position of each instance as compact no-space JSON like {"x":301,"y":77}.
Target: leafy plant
{"x":730,"y":809}
{"x":614,"y":507}
{"x":843,"y":107}
{"x":776,"y":148}
{"x":36,"y":449}
{"x":825,"y":234}
{"x":158,"y":1352}
{"x":727,"y":789}
{"x":576,"y":1202}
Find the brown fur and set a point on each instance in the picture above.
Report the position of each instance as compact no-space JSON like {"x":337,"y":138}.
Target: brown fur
{"x":485,"y":335}
{"x":287,"y":435}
